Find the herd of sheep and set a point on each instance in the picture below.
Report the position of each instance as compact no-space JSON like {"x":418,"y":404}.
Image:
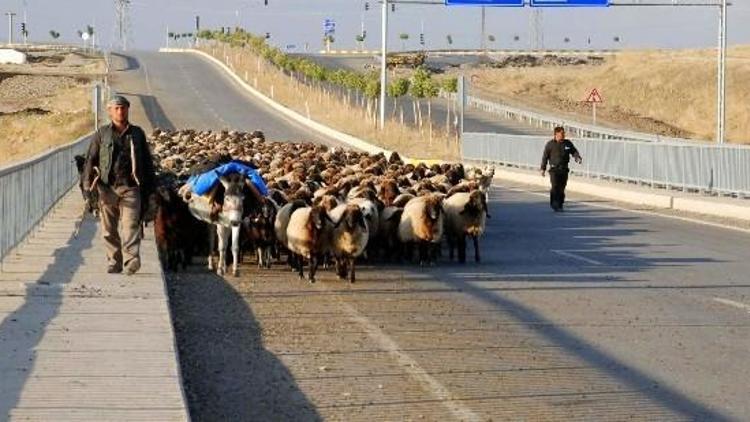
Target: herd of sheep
{"x":325,"y":205}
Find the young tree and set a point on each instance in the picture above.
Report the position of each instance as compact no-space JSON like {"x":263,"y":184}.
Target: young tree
{"x":396,"y":90}
{"x":450,"y":86}
{"x":417,"y":92}
{"x":54,"y":34}
{"x":449,"y":38}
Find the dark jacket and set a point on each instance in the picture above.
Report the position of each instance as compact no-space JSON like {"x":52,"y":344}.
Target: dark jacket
{"x":557,"y":154}
{"x":101,"y":157}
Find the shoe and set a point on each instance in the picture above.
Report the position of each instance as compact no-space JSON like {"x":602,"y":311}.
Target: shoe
{"x":114,"y":269}
{"x":132,"y":268}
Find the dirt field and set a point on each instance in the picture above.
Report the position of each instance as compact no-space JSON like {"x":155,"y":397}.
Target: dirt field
{"x":46,"y":102}
{"x":672,"y":93}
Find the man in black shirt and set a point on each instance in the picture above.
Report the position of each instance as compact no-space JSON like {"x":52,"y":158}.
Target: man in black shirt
{"x":557,"y":153}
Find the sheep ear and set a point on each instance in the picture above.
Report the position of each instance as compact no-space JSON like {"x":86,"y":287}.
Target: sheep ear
{"x":224,"y":181}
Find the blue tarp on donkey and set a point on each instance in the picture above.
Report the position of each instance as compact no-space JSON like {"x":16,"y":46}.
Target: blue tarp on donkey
{"x":202,"y":183}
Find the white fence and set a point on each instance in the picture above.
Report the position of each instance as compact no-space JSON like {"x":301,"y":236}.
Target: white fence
{"x":721,"y":169}
{"x":30,"y":188}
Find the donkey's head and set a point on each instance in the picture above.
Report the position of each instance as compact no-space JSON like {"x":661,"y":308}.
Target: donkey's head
{"x":233,"y":198}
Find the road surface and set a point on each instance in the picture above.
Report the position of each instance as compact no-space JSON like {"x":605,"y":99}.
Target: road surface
{"x":594,"y":314}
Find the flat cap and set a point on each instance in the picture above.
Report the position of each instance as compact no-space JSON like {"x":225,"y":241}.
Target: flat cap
{"x":118,"y":100}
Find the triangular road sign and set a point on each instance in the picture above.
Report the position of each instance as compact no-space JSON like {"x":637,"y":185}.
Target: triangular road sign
{"x":594,"y":97}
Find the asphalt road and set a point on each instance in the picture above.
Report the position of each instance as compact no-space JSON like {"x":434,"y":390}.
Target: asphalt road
{"x":593,"y":314}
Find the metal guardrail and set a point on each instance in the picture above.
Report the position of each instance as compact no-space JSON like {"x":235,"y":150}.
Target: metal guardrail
{"x":722,"y":169}
{"x":576,"y":129}
{"x":29,"y":189}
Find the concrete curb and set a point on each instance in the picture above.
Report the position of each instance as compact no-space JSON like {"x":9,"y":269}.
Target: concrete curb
{"x":705,"y":206}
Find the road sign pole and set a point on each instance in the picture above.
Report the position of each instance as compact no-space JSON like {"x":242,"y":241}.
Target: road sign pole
{"x":721,"y":77}
{"x":383,"y":63}
{"x":594,"y":113}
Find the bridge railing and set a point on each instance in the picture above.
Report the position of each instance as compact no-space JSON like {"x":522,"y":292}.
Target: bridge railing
{"x":720,"y":169}
{"x":29,"y":189}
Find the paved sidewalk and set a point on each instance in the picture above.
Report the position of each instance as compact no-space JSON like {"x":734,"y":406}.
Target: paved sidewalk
{"x":77,"y":343}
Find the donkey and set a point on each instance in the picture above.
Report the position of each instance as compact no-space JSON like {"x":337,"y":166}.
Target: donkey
{"x":227,"y":219}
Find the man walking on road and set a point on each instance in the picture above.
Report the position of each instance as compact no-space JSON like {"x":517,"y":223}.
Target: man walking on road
{"x":120,"y":168}
{"x":557,"y":153}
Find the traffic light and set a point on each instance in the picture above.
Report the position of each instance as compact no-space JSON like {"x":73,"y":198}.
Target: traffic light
{"x":23,"y":27}
{"x":367,"y":5}
{"x":268,"y":35}
{"x":364,"y":33}
{"x":393,"y":7}
{"x":265,"y":2}
{"x":421,"y":39}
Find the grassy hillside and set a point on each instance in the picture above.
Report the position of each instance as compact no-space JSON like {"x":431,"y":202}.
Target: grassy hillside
{"x":672,"y":93}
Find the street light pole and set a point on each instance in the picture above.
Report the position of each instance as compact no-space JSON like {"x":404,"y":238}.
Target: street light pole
{"x":383,"y":63}
{"x":722,"y":72}
{"x":10,"y":26}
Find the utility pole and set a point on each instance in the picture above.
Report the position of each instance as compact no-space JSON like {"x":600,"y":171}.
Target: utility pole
{"x":721,"y":117}
{"x":10,"y":16}
{"x":383,"y":63}
{"x":536,"y":39}
{"x":482,"y":44}
{"x":122,"y":23}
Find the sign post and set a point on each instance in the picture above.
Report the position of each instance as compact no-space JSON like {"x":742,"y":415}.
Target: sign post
{"x":594,"y":98}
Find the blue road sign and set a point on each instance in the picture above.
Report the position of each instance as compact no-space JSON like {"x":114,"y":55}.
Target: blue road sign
{"x":493,"y":3}
{"x":569,"y":3}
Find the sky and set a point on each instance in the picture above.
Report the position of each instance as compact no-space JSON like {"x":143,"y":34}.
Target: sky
{"x":296,"y":22}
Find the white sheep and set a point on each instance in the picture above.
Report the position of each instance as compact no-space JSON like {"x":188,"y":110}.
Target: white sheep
{"x":308,"y":235}
{"x":466,"y":214}
{"x":422,"y":224}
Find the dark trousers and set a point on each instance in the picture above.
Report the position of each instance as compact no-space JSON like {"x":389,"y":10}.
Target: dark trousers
{"x":559,"y":179}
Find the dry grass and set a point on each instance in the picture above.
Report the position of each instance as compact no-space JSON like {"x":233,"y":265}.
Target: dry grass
{"x":668,"y":92}
{"x":25,"y":134}
{"x":336,"y":111}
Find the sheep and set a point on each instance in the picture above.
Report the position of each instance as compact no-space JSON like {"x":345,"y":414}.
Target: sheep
{"x":422,"y":223}
{"x":465,"y":215}
{"x":307,"y":237}
{"x":176,"y":231}
{"x":388,"y":191}
{"x":371,"y":213}
{"x":259,"y":230}
{"x":282,"y":222}
{"x":388,"y":230}
{"x":349,"y":238}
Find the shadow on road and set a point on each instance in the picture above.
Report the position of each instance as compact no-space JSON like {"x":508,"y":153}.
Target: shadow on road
{"x":228,"y":372}
{"x":518,"y":247}
{"x":154,"y":111}
{"x":22,"y":330}
{"x":131,"y":63}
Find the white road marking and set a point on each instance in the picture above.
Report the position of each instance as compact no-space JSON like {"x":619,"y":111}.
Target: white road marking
{"x":576,"y":256}
{"x":739,"y":305}
{"x":411,"y":366}
{"x":651,"y":213}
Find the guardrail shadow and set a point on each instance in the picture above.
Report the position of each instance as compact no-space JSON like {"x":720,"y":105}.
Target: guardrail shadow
{"x":520,"y":238}
{"x":228,"y":372}
{"x":154,"y":111}
{"x":22,"y":330}
{"x":131,"y":63}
